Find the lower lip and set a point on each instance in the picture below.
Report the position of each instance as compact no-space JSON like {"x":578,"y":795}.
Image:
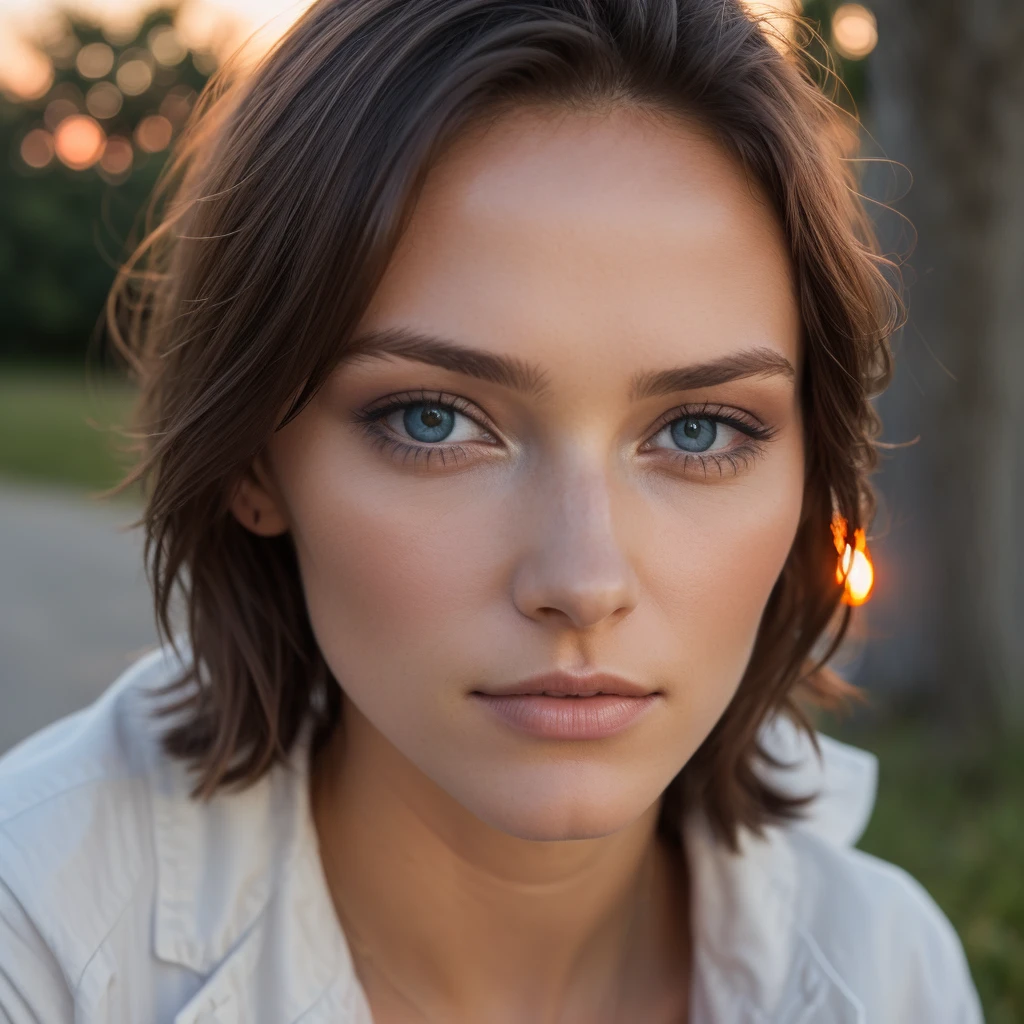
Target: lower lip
{"x":569,"y":718}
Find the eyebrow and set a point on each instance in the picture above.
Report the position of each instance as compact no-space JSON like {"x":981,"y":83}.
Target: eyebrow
{"x":518,"y":375}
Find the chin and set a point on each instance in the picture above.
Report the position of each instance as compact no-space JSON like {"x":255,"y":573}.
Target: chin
{"x":560,"y":809}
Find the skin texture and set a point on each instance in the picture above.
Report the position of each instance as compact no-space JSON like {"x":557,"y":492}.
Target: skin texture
{"x":510,"y":877}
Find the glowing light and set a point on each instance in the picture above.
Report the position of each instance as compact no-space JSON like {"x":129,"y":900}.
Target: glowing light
{"x":177,"y":104}
{"x":206,"y":27}
{"x":25,"y":72}
{"x":228,"y":29}
{"x":855,"y":570}
{"x":166,"y":46}
{"x":854,"y":31}
{"x":94,"y":60}
{"x":79,"y":141}
{"x":205,"y":61}
{"x":104,"y":100}
{"x":134,"y":77}
{"x":776,"y":17}
{"x":120,"y":26}
{"x":57,"y":110}
{"x":117,"y":157}
{"x":64,"y":49}
{"x":153,"y":133}
{"x":37,"y":148}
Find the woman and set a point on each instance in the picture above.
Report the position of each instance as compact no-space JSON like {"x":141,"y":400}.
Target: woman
{"x":504,"y":366}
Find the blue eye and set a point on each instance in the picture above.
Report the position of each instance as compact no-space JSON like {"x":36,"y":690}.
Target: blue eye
{"x":420,"y":427}
{"x":428,"y":422}
{"x":694,"y":433}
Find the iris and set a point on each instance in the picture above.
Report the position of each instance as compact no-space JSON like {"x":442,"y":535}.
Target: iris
{"x":694,"y":433}
{"x":428,"y":422}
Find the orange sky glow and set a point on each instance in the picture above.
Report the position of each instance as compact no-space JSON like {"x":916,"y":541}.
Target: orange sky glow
{"x":220,"y":25}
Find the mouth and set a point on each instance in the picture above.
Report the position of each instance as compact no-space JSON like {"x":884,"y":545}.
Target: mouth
{"x":564,"y":706}
{"x":568,"y":696}
{"x":571,"y":685}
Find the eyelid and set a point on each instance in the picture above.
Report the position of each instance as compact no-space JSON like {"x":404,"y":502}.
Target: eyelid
{"x":755,"y":433}
{"x":381,"y":407}
{"x":733,"y":417}
{"x":388,"y":403}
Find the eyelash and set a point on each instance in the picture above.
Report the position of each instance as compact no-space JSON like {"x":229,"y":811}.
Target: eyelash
{"x":737,"y":458}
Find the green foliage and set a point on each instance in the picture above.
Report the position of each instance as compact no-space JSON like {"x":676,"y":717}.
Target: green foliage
{"x":63,"y":231}
{"x":952,"y":818}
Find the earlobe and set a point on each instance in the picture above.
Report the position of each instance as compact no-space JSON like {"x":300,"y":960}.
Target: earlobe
{"x":257,"y":507}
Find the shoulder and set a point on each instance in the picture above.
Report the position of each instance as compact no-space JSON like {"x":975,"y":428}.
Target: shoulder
{"x":123,"y":899}
{"x":76,"y":848}
{"x":819,"y":923}
{"x":884,"y":934}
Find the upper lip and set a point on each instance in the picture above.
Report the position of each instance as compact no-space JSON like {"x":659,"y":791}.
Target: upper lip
{"x":571,"y":683}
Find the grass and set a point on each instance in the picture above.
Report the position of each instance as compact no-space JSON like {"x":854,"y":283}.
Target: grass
{"x":55,"y":427}
{"x":953,"y":819}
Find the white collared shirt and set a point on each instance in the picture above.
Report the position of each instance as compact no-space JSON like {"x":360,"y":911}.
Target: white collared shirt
{"x":122,"y":901}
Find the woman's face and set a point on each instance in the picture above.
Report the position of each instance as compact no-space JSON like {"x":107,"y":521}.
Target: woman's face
{"x":589,"y":510}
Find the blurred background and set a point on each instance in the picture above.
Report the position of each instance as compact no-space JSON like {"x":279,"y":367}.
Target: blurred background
{"x":91,"y":101}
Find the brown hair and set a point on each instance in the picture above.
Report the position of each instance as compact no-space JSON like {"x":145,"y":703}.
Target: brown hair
{"x":276,"y":219}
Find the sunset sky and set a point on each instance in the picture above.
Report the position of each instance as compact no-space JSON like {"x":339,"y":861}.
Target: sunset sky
{"x":201,"y":20}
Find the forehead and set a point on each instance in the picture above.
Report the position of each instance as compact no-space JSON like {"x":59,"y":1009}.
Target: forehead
{"x":633,"y":234}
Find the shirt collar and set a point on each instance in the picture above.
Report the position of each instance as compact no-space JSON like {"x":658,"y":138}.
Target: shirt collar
{"x":254,"y":917}
{"x":754,"y":958}
{"x":257,"y":917}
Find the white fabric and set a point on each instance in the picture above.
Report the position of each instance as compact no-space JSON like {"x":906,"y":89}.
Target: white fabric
{"x":122,"y":901}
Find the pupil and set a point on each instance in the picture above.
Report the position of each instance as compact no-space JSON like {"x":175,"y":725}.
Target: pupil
{"x":426,"y":422}
{"x":695,"y":433}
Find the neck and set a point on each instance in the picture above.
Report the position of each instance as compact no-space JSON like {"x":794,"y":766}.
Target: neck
{"x":464,"y":922}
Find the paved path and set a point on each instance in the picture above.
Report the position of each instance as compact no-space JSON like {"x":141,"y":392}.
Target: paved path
{"x":74,"y":604}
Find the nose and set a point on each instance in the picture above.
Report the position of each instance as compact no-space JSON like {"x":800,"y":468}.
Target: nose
{"x":574,"y":569}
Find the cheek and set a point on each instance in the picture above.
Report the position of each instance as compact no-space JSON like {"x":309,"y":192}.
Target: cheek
{"x":715,"y":565}
{"x":407,"y":578}
{"x":388,"y":569}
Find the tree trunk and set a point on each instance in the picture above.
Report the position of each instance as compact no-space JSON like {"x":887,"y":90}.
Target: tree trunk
{"x":946,"y":98}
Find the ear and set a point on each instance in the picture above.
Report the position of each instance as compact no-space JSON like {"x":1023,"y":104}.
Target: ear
{"x":256,"y":502}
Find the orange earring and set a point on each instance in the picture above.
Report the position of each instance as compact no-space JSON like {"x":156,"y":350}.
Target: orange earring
{"x":854,"y":568}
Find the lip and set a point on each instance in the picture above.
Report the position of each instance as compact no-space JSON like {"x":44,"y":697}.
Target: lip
{"x":526,"y":707}
{"x":571,"y":683}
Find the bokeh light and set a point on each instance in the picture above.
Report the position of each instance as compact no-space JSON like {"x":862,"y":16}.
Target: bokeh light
{"x":37,"y":148}
{"x":79,"y":141}
{"x":166,"y":46}
{"x":94,"y":60}
{"x":177,"y":104}
{"x":205,"y":26}
{"x":25,"y":72}
{"x":153,"y":133}
{"x":104,"y":100}
{"x":134,"y":76}
{"x":57,"y":110}
{"x":854,"y":31}
{"x":776,"y":16}
{"x":117,"y":158}
{"x":120,"y":25}
{"x":63,"y":50}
